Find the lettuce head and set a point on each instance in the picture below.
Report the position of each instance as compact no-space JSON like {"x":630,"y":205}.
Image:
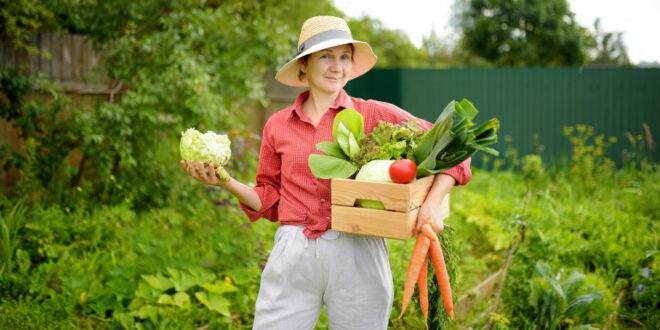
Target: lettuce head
{"x":208,"y":148}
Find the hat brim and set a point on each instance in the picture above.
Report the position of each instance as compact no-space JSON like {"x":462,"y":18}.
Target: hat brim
{"x":363,"y":60}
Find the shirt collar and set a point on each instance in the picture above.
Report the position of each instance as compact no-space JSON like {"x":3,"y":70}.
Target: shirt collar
{"x":343,"y":101}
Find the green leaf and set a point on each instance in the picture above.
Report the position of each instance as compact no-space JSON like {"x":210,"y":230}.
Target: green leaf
{"x":181,"y":299}
{"x":214,"y":302}
{"x":491,"y":125}
{"x":580,"y":304}
{"x":352,"y":121}
{"x":353,"y":145}
{"x":342,"y":139}
{"x":203,"y":298}
{"x":428,"y":165}
{"x":469,"y":109}
{"x":136,"y":303}
{"x":201,"y":275}
{"x":166,"y":299}
{"x":331,"y":149}
{"x":572,"y":284}
{"x":159,"y":282}
{"x":147,"y":292}
{"x":146,"y":311}
{"x":441,"y":128}
{"x":219,"y":287}
{"x":181,"y":280}
{"x":327,"y":167}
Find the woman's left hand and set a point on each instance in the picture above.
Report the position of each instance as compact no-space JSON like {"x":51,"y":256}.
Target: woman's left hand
{"x":432,"y":206}
{"x":433,"y":211}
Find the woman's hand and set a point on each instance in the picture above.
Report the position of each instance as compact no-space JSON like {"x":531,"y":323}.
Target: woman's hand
{"x":431,"y":211}
{"x":432,"y":206}
{"x":201,"y":173}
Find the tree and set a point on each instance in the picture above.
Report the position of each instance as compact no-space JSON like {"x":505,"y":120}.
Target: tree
{"x":438,"y":53}
{"x":178,"y":64}
{"x":608,"y":47}
{"x":523,"y":32}
{"x":393,"y":47}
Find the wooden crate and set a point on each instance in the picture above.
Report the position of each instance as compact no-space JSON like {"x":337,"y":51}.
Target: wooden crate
{"x":401,"y":201}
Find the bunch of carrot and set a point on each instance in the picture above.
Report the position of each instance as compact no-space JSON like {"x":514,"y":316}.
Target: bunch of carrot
{"x":427,"y":245}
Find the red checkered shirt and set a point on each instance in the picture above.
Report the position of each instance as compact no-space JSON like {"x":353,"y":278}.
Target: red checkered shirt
{"x":288,"y":190}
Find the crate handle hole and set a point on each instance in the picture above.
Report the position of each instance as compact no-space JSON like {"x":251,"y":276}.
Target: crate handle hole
{"x":369,"y":204}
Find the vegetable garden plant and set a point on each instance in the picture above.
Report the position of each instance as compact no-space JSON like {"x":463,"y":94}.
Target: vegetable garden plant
{"x":83,"y":267}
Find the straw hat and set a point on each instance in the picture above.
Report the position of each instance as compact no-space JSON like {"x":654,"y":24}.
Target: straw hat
{"x":321,"y":32}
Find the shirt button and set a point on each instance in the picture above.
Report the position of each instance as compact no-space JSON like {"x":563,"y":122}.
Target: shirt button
{"x":322,"y":200}
{"x":327,"y":218}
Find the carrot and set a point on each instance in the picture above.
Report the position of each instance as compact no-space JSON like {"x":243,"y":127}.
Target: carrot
{"x":424,"y":290}
{"x":438,"y":260}
{"x":428,"y":231}
{"x":414,"y":267}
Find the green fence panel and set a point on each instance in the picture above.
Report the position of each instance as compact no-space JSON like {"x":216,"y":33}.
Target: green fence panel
{"x":530,"y":101}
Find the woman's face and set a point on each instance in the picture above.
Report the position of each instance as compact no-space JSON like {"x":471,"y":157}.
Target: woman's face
{"x":328,"y":70}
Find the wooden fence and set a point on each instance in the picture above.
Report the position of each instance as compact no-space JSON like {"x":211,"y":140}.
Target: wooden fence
{"x":68,"y":59}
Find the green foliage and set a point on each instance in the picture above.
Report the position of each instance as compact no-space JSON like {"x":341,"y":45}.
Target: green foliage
{"x":559,"y":302}
{"x":117,"y":266}
{"x":523,"y":33}
{"x":9,"y":226}
{"x":639,"y":154}
{"x":608,"y":47}
{"x":159,"y":294}
{"x":588,"y":150}
{"x":88,"y":266}
{"x":440,"y":53}
{"x":393,"y":47}
{"x":184,"y":65}
{"x":20,"y":18}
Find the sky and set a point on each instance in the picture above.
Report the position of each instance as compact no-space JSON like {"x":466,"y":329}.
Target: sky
{"x":639,"y":20}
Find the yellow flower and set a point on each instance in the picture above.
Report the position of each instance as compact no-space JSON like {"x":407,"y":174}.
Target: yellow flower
{"x":227,"y":280}
{"x":83,"y":297}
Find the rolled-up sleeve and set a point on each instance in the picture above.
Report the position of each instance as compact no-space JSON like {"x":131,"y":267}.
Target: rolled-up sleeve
{"x":268,"y":181}
{"x":461,"y":172}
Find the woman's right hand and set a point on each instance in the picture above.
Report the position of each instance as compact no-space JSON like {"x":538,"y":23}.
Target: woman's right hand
{"x":200,"y":173}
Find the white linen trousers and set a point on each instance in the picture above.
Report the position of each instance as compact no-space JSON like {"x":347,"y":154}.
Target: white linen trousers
{"x":350,"y":274}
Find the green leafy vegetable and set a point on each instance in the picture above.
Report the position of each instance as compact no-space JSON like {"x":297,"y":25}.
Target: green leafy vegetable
{"x":329,"y":167}
{"x":374,"y":171}
{"x":353,"y":122}
{"x":208,"y":148}
{"x":347,"y":130}
{"x":389,"y":141}
{"x":331,"y":149}
{"x":452,"y":139}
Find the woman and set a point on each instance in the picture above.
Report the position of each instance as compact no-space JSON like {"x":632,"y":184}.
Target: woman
{"x":310,"y":264}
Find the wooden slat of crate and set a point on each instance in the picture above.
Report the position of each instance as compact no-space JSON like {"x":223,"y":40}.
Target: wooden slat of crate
{"x":362,"y":221}
{"x":395,"y":197}
{"x":388,"y":224}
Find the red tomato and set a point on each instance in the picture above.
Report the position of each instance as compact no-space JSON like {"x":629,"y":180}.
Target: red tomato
{"x":403,"y":171}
